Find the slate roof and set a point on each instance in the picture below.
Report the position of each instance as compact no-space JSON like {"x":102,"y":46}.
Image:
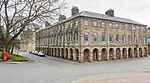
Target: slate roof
{"x":103,"y":17}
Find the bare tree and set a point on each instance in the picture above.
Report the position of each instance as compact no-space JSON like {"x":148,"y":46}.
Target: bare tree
{"x":16,"y":15}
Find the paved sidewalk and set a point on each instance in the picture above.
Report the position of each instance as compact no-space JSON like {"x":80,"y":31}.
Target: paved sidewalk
{"x":116,"y":78}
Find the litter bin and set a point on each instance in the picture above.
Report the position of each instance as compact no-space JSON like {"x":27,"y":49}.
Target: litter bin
{"x":5,"y":56}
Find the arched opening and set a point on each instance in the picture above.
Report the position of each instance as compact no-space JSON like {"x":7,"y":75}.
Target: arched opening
{"x":145,"y":51}
{"x":77,"y":54}
{"x":66,"y":53}
{"x":111,"y":54}
{"x":86,"y":55}
{"x":104,"y":54}
{"x":71,"y":54}
{"x":95,"y":54}
{"x":52,"y":52}
{"x":135,"y":53}
{"x":118,"y":53}
{"x":58,"y":52}
{"x":130,"y":53}
{"x":62,"y":53}
{"x":140,"y":52}
{"x":55,"y":52}
{"x":124,"y":53}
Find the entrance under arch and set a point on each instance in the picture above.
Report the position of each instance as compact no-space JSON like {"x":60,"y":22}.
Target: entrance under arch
{"x":77,"y":54}
{"x":62,"y":53}
{"x":95,"y":55}
{"x":66,"y":53}
{"x":104,"y":54}
{"x":130,"y":53}
{"x":145,"y":51}
{"x":135,"y":53}
{"x":140,"y":52}
{"x":111,"y":54}
{"x":124,"y":53}
{"x":86,"y":55}
{"x":71,"y":54}
{"x":118,"y":53}
{"x":58,"y":52}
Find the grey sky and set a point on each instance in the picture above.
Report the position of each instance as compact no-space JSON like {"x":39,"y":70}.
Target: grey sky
{"x":138,"y":10}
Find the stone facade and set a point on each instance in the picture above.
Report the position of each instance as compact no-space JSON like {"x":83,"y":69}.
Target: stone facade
{"x":84,"y":38}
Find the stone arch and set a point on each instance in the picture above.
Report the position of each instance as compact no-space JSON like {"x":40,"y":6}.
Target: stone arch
{"x":124,"y":53}
{"x":140,"y":52}
{"x":145,"y":52}
{"x":104,"y":54}
{"x":71,"y":54}
{"x":95,"y":54}
{"x":135,"y":53}
{"x":111,"y":53}
{"x":77,"y":54}
{"x":86,"y":55}
{"x":118,"y":53}
{"x":130,"y":52}
{"x":66,"y":53}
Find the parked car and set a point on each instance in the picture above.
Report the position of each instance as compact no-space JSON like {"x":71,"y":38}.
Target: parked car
{"x":30,"y":51}
{"x":36,"y":52}
{"x":41,"y":54}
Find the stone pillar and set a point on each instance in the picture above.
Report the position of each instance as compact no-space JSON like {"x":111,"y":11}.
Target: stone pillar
{"x":74,"y":56}
{"x":81,"y":58}
{"x":91,"y":56}
{"x":121,"y":55}
{"x":60,"y":55}
{"x":69,"y":54}
{"x":107,"y":55}
{"x":127,"y":54}
{"x":99,"y":56}
{"x":133,"y":56}
{"x":65,"y":54}
{"x":115,"y":55}
{"x":138,"y":54}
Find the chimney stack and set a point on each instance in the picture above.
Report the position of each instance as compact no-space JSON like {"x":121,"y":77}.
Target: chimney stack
{"x":110,"y":12}
{"x":62,"y":17}
{"x":74,"y":10}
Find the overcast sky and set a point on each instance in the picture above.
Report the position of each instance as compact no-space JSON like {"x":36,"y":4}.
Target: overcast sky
{"x":137,"y":10}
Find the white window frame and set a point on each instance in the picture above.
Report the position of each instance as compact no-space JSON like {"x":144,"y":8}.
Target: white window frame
{"x":86,"y":22}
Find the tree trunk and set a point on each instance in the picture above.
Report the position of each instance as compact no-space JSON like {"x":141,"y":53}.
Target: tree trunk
{"x":12,"y":49}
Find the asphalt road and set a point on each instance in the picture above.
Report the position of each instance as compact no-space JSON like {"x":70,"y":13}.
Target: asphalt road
{"x":53,"y":70}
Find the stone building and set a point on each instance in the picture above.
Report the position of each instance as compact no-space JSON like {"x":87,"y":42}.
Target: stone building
{"x":89,"y":36}
{"x":28,"y":37}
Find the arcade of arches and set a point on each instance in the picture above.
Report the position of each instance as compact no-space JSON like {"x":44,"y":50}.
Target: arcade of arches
{"x":88,"y":55}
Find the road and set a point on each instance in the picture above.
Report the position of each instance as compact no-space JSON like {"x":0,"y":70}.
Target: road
{"x":53,"y":70}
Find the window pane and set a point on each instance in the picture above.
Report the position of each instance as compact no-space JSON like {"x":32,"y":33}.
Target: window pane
{"x":110,"y":37}
{"x":86,"y":35}
{"x":117,"y":37}
{"x":103,"y":37}
{"x":95,"y":37}
{"x":95,"y":24}
{"x":86,"y":22}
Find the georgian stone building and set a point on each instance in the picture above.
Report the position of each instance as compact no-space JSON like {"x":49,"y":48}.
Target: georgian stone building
{"x":89,"y":36}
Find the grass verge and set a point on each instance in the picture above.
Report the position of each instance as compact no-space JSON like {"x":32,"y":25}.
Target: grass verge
{"x":14,"y":57}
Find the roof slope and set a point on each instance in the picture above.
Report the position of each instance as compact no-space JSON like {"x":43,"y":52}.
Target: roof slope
{"x":105,"y":17}
{"x":101,"y":16}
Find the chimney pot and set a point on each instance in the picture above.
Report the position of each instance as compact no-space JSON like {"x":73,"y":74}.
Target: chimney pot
{"x":62,"y":17}
{"x":110,"y":12}
{"x":74,"y":10}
